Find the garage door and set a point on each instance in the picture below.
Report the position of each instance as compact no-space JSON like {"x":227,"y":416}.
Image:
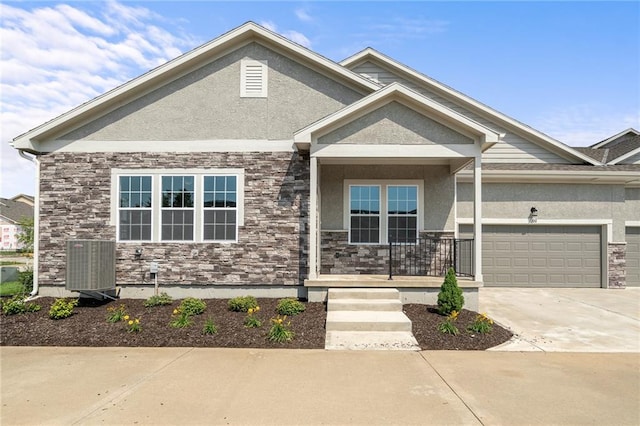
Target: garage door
{"x":540,"y":256}
{"x":633,"y":257}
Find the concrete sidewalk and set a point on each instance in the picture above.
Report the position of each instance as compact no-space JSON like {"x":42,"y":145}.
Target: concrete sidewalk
{"x":188,"y":386}
{"x":566,"y":319}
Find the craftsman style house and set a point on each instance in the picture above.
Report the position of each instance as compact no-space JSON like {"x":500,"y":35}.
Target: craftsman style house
{"x":254,"y":163}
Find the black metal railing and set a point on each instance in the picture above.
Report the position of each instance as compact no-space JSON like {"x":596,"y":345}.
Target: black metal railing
{"x":431,"y":257}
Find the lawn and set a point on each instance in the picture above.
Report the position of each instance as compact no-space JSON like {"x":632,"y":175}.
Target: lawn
{"x":11,"y":288}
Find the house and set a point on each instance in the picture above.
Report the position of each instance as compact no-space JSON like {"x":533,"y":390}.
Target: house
{"x":12,"y":212}
{"x":253,"y":164}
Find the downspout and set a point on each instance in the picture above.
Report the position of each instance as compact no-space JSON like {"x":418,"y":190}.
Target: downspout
{"x":36,"y":223}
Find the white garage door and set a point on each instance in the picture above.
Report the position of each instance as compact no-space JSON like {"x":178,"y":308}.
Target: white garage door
{"x":633,"y":257}
{"x":540,"y":256}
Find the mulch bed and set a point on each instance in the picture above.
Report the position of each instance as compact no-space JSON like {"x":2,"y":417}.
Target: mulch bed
{"x":88,"y":327}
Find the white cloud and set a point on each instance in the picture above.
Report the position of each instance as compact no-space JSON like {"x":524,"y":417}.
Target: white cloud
{"x":303,"y":15}
{"x":55,"y":58}
{"x":292,"y":35}
{"x":584,"y":125}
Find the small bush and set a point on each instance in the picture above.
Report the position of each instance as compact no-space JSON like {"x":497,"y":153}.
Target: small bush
{"x":26,"y":279}
{"x":158,"y":300}
{"x":482,"y":324}
{"x":252,"y":321}
{"x":450,"y":297}
{"x":280,"y":330}
{"x":116,"y":314}
{"x":192,"y":306}
{"x":242,"y":303}
{"x":209,"y":327}
{"x":17,"y":305}
{"x":289,"y":307}
{"x":62,"y":308}
{"x":448,"y":326}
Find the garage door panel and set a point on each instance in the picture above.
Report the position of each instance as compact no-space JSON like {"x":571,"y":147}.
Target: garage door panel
{"x":633,"y":256}
{"x":543,"y":256}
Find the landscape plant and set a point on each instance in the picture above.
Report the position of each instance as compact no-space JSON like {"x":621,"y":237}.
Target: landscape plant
{"x":450,"y":297}
{"x":448,"y":326}
{"x":209,"y":327}
{"x":26,"y":279}
{"x":180,"y":319}
{"x":280,"y":330}
{"x":62,"y":308}
{"x":116,"y":314}
{"x":482,"y":324}
{"x":251,"y":320}
{"x":18,"y":305}
{"x":158,"y":300}
{"x":290,"y":307}
{"x":25,"y":236}
{"x":192,"y":306}
{"x":133,"y":325}
{"x":242,"y":303}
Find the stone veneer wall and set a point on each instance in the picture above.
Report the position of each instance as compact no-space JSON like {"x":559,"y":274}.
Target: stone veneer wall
{"x":617,"y":265}
{"x":75,"y":203}
{"x":341,"y":258}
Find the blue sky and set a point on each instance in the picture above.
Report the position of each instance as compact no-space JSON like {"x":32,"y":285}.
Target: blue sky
{"x":569,"y":69}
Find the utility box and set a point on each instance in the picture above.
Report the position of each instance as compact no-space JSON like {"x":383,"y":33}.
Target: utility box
{"x":91,"y":265}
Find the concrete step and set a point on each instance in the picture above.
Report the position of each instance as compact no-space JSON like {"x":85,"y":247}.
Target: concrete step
{"x":363,"y":293}
{"x":393,"y":305}
{"x":367,"y":340}
{"x":367,"y":321}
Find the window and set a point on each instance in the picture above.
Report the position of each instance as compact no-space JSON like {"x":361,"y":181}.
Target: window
{"x":220,"y":210}
{"x":382,"y":212}
{"x":178,"y":196}
{"x":253,"y":78}
{"x":134,"y":208}
{"x":365,"y":214}
{"x":178,"y":205}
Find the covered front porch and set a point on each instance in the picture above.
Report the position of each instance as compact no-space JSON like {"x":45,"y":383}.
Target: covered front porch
{"x":383,"y":196}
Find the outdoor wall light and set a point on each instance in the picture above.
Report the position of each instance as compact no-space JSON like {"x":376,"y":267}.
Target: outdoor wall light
{"x":138,"y":253}
{"x":534,"y":212}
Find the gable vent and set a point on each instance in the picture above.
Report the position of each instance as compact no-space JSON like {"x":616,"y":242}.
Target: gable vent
{"x":253,"y":79}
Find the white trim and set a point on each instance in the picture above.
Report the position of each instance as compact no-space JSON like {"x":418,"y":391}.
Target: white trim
{"x":246,"y":91}
{"x":624,"y":156}
{"x":119,"y":209}
{"x":459,"y":99}
{"x":614,"y":137}
{"x":597,"y":176}
{"x":392,"y":152}
{"x":631,"y":223}
{"x":382,"y":184}
{"x":477,"y":217}
{"x":221,"y":145}
{"x":314,"y":237}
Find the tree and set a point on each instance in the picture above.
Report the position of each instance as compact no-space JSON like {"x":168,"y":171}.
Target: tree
{"x":25,"y":236}
{"x":450,"y":297}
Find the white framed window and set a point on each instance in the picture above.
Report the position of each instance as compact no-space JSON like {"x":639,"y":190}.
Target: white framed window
{"x":177,"y":205}
{"x":381,"y":211}
{"x":253,"y":78}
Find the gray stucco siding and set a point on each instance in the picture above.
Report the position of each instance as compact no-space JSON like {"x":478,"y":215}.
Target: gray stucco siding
{"x":394,"y":123}
{"x":438,"y":193}
{"x":205,"y":104}
{"x":553,"y":201}
{"x":75,"y":203}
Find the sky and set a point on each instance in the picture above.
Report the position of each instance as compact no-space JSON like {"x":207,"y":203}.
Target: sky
{"x":569,"y":69}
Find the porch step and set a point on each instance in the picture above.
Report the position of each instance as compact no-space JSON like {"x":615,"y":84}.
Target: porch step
{"x":393,"y":305}
{"x":363,"y":293}
{"x":367,"y":321}
{"x":368,"y":340}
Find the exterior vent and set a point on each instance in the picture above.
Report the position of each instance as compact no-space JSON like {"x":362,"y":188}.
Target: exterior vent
{"x":91,"y":265}
{"x":253,"y":79}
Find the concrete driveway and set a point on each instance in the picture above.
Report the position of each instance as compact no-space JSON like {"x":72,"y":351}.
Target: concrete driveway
{"x":567,"y":319}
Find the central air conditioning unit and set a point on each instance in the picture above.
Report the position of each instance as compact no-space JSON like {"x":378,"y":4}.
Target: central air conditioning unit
{"x":91,"y":265}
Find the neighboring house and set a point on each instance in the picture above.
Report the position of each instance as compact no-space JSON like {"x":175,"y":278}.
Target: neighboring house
{"x":12,"y":212}
{"x":254,"y":164}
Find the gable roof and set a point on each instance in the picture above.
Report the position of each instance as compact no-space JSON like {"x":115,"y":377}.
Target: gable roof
{"x":246,"y":33}
{"x":397,"y":92}
{"x":15,"y":211}
{"x":465,"y":101}
{"x":624,"y":150}
{"x":613,"y":139}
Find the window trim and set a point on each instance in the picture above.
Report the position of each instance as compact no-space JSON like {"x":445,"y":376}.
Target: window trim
{"x":384,"y":216}
{"x":236,"y":209}
{"x":119,"y":209}
{"x":379,"y":215}
{"x":156,"y":197}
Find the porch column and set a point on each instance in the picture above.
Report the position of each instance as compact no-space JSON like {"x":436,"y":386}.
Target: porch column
{"x":313,"y":218}
{"x":477,"y":216}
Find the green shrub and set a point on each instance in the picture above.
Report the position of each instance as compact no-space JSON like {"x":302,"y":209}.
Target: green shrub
{"x":242,"y":303}
{"x":448,"y":326}
{"x":26,"y":279}
{"x":62,"y":308}
{"x":192,"y":306}
{"x":158,"y":300}
{"x":450,"y":297}
{"x":18,"y":305}
{"x":209,"y":327}
{"x":289,"y":307}
{"x":280,"y":330}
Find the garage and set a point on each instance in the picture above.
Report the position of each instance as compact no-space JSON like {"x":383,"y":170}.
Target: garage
{"x":633,"y":256}
{"x":540,"y":255}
